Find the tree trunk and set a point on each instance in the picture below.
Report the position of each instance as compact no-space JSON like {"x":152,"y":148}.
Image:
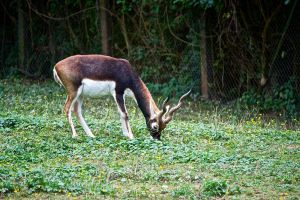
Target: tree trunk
{"x":3,"y":44}
{"x":105,"y":27}
{"x":124,"y":32}
{"x":203,"y":61}
{"x":21,"y":42}
{"x":51,"y":43}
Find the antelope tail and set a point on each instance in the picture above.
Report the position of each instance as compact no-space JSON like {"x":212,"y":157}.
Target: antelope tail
{"x":56,"y":78}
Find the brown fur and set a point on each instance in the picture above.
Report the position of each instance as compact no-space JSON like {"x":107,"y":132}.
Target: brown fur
{"x":72,"y":70}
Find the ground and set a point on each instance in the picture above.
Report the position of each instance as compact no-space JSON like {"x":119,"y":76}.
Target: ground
{"x":207,"y":151}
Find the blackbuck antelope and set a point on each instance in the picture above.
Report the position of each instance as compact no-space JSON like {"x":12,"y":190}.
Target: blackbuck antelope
{"x":95,"y":75}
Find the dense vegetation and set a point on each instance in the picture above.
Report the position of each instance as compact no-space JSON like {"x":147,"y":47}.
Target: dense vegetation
{"x":236,"y":137}
{"x":208,"y":151}
{"x":228,"y":47}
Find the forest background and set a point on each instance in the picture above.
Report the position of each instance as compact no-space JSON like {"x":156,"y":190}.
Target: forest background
{"x":235,"y":137}
{"x":225,"y":50}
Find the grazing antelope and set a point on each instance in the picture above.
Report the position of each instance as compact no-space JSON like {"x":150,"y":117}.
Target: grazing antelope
{"x":95,"y":75}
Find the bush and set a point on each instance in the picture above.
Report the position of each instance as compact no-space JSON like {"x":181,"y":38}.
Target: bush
{"x":214,"y":187}
{"x":282,"y":99}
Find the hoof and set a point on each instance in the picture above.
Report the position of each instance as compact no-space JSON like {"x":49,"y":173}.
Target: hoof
{"x":130,"y":137}
{"x":90,"y":134}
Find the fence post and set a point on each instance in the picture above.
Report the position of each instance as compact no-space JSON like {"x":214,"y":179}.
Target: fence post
{"x":203,"y":60}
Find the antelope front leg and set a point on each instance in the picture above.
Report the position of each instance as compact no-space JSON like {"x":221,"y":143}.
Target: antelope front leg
{"x":119,"y":98}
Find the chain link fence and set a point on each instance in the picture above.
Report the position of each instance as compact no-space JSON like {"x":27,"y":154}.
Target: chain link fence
{"x":228,"y":77}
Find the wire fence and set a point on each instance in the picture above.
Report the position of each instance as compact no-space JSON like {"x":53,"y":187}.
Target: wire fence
{"x":226,"y":80}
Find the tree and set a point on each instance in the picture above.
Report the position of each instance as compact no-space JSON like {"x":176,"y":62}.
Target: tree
{"x":105,"y":27}
{"x":21,"y":42}
{"x":203,"y":61}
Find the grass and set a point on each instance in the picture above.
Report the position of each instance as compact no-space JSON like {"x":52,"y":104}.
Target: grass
{"x":206,"y":152}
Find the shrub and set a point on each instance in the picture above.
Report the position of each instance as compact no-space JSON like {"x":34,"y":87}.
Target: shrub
{"x":281,"y":99}
{"x":214,"y":187}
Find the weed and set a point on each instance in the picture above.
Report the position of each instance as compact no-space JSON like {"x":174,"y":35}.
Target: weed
{"x":214,"y":187}
{"x":206,"y":151}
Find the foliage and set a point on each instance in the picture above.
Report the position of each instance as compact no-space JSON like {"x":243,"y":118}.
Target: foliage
{"x":195,"y":3}
{"x":161,"y":39}
{"x":214,"y":188}
{"x":205,"y":154}
{"x":282,"y":99}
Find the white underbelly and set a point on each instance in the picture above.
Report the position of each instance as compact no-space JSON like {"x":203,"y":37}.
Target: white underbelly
{"x":94,"y":88}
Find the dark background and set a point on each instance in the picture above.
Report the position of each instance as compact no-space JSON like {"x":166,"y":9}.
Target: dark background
{"x":226,"y":50}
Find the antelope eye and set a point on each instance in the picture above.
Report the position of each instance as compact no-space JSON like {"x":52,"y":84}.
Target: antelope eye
{"x":153,"y":127}
{"x":153,"y":124}
{"x":152,"y":120}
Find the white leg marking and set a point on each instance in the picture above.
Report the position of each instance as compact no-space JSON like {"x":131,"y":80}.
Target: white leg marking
{"x":85,"y":127}
{"x":74,"y":134}
{"x":129,"y":134}
{"x":124,"y":122}
{"x":125,"y":125}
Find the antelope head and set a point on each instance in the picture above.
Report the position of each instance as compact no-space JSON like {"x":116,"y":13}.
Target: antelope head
{"x":157,"y":124}
{"x":97,"y":75}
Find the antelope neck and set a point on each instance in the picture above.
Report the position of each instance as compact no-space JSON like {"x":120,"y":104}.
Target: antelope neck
{"x":145,"y":100}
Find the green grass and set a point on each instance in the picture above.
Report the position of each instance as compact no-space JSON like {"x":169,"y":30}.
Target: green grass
{"x":207,"y":151}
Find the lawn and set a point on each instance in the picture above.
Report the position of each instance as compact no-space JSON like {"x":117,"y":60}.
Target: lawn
{"x":207,"y":152}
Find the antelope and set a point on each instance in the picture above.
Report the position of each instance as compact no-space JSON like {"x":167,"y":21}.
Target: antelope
{"x":96,"y":75}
